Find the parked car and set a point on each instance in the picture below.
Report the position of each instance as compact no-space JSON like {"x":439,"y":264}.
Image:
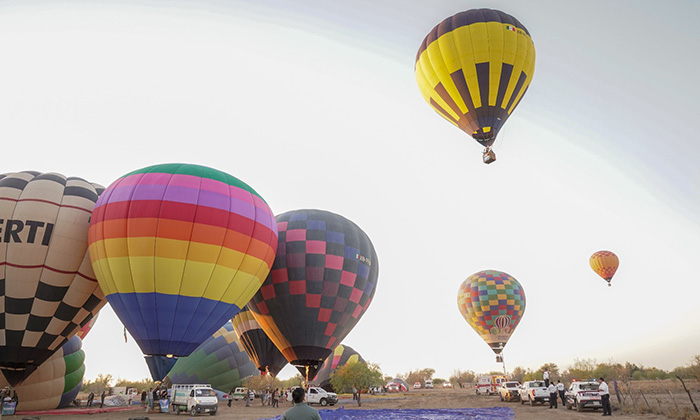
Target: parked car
{"x":316,"y":395}
{"x":416,"y":385}
{"x":447,"y":384}
{"x":509,"y":391}
{"x":428,"y":383}
{"x":533,"y":392}
{"x":583,"y":395}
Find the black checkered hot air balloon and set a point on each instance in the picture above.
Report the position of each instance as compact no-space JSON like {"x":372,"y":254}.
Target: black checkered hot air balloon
{"x":47,"y":287}
{"x":322,"y":281}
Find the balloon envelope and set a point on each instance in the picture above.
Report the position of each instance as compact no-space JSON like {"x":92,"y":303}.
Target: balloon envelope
{"x":341,"y":355}
{"x":220,"y":361}
{"x":261,"y":350}
{"x":55,"y":383}
{"x":493,"y":303}
{"x":322,"y":281}
{"x":178,"y":249}
{"x":46,"y":280}
{"x":605,"y":264}
{"x":473,"y":68}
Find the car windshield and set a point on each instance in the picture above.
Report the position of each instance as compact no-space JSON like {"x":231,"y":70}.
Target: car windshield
{"x":511,"y":384}
{"x":534,"y":384}
{"x":204,"y":393}
{"x":588,"y":387}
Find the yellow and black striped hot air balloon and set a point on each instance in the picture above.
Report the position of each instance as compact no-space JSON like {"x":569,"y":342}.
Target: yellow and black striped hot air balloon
{"x":474,"y":68}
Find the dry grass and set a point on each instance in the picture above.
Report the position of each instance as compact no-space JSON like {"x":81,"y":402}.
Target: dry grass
{"x":661,"y":397}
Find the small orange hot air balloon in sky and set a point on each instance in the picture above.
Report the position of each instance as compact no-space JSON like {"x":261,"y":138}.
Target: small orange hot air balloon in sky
{"x":605,"y":264}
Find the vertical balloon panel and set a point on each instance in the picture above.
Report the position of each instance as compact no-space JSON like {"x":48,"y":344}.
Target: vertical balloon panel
{"x":261,"y":350}
{"x":47,"y":284}
{"x":178,"y":250}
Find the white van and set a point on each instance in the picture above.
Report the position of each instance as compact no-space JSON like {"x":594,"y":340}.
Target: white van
{"x":428,"y":383}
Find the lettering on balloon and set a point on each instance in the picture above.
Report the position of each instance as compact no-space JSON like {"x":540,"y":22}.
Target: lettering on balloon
{"x":363,"y":259}
{"x":25,"y":231}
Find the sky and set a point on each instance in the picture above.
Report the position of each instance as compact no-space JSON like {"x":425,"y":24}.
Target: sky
{"x":314,"y":104}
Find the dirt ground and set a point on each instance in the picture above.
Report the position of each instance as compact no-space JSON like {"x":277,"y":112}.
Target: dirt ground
{"x":431,"y":398}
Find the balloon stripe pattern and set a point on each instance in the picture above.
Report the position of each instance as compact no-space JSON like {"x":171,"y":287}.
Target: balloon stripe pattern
{"x":322,"y":281}
{"x":493,"y":303}
{"x":474,"y":68}
{"x":47,"y":286}
{"x":220,"y":361}
{"x":257,"y":344}
{"x":605,"y":264}
{"x":178,"y":250}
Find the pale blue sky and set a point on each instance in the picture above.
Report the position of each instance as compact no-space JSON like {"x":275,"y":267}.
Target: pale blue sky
{"x":314,"y":104}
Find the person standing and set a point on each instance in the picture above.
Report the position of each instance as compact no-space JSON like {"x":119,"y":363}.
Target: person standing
{"x":247,"y":398}
{"x":229,"y":397}
{"x":560,"y":389}
{"x":301,"y":410}
{"x":354,"y":393}
{"x":143,"y":398}
{"x":91,"y":398}
{"x":545,"y":376}
{"x":604,"y":396}
{"x":552,"y":389}
{"x":102,"y":398}
{"x":275,"y":397}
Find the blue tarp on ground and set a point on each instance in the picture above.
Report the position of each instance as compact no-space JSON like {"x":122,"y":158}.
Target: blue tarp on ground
{"x":494,"y":413}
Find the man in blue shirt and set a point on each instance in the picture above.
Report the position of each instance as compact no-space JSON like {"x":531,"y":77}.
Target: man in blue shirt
{"x":301,"y":410}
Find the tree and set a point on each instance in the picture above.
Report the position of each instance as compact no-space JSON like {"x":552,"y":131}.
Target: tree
{"x":553,"y":371}
{"x":418,"y":375}
{"x":518,"y":374}
{"x":582,"y":369}
{"x":101,"y":383}
{"x":296,"y":380}
{"x":264,"y":382}
{"x":358,"y":375}
{"x":460,"y":377}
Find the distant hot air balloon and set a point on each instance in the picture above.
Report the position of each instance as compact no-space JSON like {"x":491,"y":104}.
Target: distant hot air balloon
{"x":47,"y":285}
{"x":257,"y":344}
{"x":605,"y":264}
{"x":178,"y":249}
{"x":220,"y":361}
{"x":493,"y":303}
{"x":322,"y":281}
{"x":55,"y":383}
{"x":340,"y":357}
{"x":474,"y":68}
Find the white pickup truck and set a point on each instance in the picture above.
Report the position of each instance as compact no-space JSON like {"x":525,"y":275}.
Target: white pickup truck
{"x":316,"y":395}
{"x":583,"y":395}
{"x":509,"y":391}
{"x":533,"y":392}
{"x":194,"y":399}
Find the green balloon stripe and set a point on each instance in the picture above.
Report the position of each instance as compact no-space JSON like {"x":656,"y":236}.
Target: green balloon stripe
{"x":196,"y":170}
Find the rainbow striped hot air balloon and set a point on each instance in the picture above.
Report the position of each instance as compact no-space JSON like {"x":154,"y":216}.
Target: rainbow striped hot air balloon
{"x":178,"y":249}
